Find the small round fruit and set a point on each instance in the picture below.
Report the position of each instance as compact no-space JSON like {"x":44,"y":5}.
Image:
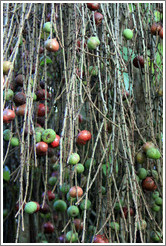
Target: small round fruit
{"x":147,"y":146}
{"x":48,"y":135}
{"x":30,"y":207}
{"x":140,"y":158}
{"x":74,"y":159}
{"x":19,"y":98}
{"x":159,"y":201}
{"x":155,"y":175}
{"x":14,"y":142}
{"x":73,"y":211}
{"x":148,"y":184}
{"x":65,"y":188}
{"x":155,"y":28}
{"x":78,"y":224}
{"x":71,"y":237}
{"x":153,"y":153}
{"x":155,"y":208}
{"x":41,"y":148}
{"x":143,"y":225}
{"x":93,"y":71}
{"x":47,"y":27}
{"x":142,"y":173}
{"x":19,"y":79}
{"x":161,"y":33}
{"x":138,"y":62}
{"x":50,"y":195}
{"x":7,"y":65}
{"x":56,"y":142}
{"x":5,"y":212}
{"x":9,"y":95}
{"x":6,"y":134}
{"x":76,"y":190}
{"x":117,"y":204}
{"x":82,"y":204}
{"x":83,"y":137}
{"x":38,"y":137}
{"x":93,"y":43}
{"x":98,"y":18}
{"x":44,"y":209}
{"x":155,"y":194}
{"x":8,"y":115}
{"x":52,"y":45}
{"x":79,"y":168}
{"x":93,"y":6}
{"x":60,"y":206}
{"x":91,"y":229}
{"x":52,"y":181}
{"x":39,"y":129}
{"x":41,"y":110}
{"x":48,"y":227}
{"x":128,"y":34}
{"x":20,"y":110}
{"x":125,"y":211}
{"x":88,"y":161}
{"x":114,"y":226}
{"x":100,"y":239}
{"x":155,"y":236}
{"x":72,"y":199}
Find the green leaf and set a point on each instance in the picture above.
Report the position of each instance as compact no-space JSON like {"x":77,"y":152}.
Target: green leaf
{"x":106,"y":168}
{"x":6,"y":173}
{"x":157,"y":16}
{"x":48,"y":60}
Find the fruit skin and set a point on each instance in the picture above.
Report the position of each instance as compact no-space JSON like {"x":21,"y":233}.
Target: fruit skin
{"x":82,"y":204}
{"x":9,"y":95}
{"x":19,"y":79}
{"x":52,"y":181}
{"x":30,"y":207}
{"x":60,"y":205}
{"x":7,"y":65}
{"x":125,"y":211}
{"x":69,"y":198}
{"x":88,"y":161}
{"x":52,"y":45}
{"x":128,"y":34}
{"x":159,"y":201}
{"x":83,"y":137}
{"x":5,"y":212}
{"x":6,"y":134}
{"x":41,"y":110}
{"x":155,"y":194}
{"x":74,"y":190}
{"x":142,"y":173}
{"x":161,"y":33}
{"x":93,"y":71}
{"x":20,"y":110}
{"x":155,"y":28}
{"x":140,"y":158}
{"x":153,"y":153}
{"x":138,"y":62}
{"x":79,"y":168}
{"x":71,"y":237}
{"x":45,"y":208}
{"x":41,"y":148}
{"x":93,"y":42}
{"x":93,"y":6}
{"x":78,"y":224}
{"x":14,"y":142}
{"x":148,"y":184}
{"x":114,"y":226}
{"x":147,"y":146}
{"x":74,"y":159}
{"x":8,"y":115}
{"x":47,"y":27}
{"x":143,"y":225}
{"x":48,"y":135}
{"x":155,"y":236}
{"x":50,"y":195}
{"x":56,"y":142}
{"x":19,"y":98}
{"x":100,"y":239}
{"x":65,"y":188}
{"x":73,"y":211}
{"x":98,"y":18}
{"x":155,"y":208}
{"x":38,"y":137}
{"x":48,"y":227}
